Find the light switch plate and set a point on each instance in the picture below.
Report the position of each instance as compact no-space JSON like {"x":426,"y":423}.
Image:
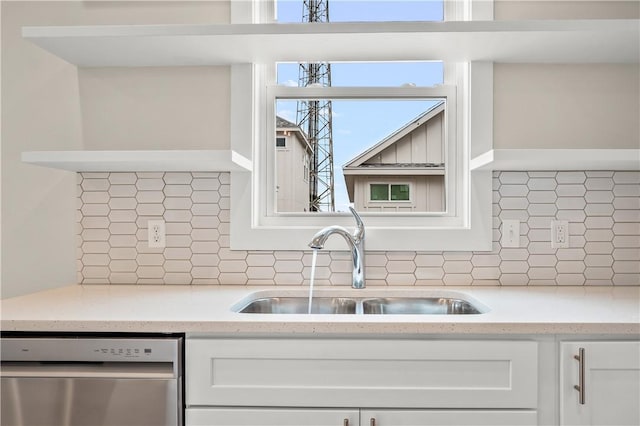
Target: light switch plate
{"x":510,"y":233}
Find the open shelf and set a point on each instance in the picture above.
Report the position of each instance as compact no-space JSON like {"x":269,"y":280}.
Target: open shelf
{"x":550,"y":41}
{"x":558,"y":159}
{"x":140,"y":161}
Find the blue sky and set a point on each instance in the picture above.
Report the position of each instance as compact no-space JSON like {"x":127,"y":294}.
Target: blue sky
{"x":357,"y":124}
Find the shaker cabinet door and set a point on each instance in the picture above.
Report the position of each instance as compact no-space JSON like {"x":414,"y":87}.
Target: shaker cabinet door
{"x":600,"y":383}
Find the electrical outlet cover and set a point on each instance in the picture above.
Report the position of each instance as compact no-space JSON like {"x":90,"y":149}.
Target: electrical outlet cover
{"x":156,"y":234}
{"x":560,"y":234}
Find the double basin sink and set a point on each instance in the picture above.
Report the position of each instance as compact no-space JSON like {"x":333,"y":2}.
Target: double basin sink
{"x":357,"y":305}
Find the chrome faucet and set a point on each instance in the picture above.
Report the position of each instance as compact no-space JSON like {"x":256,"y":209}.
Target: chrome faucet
{"x":355,"y":242}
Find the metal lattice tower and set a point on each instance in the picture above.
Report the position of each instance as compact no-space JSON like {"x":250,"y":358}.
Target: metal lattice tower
{"x":314,"y":118}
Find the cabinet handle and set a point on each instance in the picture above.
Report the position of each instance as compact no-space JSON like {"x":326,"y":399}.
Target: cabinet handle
{"x":346,"y":422}
{"x":580,"y":386}
{"x":372,"y":422}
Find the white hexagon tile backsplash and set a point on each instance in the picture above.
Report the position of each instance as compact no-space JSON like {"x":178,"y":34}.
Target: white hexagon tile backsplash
{"x":603,"y":210}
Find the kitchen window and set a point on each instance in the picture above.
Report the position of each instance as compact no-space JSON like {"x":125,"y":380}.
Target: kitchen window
{"x":465,"y":222}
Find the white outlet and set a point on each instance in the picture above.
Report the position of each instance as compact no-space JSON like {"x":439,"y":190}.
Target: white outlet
{"x":510,"y":233}
{"x":156,"y":233}
{"x":559,"y":234}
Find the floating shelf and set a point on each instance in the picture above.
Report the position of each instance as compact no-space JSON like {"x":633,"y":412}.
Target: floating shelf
{"x":558,"y":159}
{"x":140,"y":161}
{"x":549,"y":41}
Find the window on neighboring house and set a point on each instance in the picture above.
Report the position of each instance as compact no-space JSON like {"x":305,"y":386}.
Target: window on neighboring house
{"x":389,"y":192}
{"x":281,"y":142}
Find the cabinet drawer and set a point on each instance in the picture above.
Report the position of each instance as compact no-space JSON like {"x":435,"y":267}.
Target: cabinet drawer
{"x":362,"y":373}
{"x":271,"y":417}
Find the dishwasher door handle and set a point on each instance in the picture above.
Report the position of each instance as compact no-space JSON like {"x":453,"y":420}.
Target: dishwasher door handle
{"x":110,"y":370}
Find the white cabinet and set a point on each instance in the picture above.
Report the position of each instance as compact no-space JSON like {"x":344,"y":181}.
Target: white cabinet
{"x":325,"y":382}
{"x":390,"y":373}
{"x":447,"y":417}
{"x":354,"y":417}
{"x":271,"y":417}
{"x":610,"y":383}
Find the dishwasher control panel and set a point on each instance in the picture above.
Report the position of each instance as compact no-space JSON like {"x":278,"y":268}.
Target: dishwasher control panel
{"x":62,"y":349}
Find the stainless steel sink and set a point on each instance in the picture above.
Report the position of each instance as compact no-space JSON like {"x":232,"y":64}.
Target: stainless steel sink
{"x":360,"y":305}
{"x":300,"y":305}
{"x":418,"y":306}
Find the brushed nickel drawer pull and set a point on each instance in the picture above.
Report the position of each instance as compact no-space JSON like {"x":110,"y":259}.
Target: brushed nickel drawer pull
{"x":580,"y":386}
{"x":372,"y":422}
{"x":346,"y":422}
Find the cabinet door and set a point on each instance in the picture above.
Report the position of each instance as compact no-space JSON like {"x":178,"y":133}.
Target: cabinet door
{"x":611,"y":383}
{"x":270,"y":417}
{"x":448,"y":417}
{"x":361,"y":373}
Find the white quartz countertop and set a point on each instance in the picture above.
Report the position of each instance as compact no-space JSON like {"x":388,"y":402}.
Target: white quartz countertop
{"x":208,"y":309}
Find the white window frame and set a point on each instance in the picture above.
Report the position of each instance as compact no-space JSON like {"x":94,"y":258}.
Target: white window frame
{"x":465,"y":226}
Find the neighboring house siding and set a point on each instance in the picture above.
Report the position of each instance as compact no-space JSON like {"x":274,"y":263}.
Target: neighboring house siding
{"x":426,"y":194}
{"x":409,"y":156}
{"x":422,"y":145}
{"x":293,"y":185}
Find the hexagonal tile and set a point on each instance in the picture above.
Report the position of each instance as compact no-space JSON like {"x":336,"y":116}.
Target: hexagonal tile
{"x":542,"y":197}
{"x":570,"y":279}
{"x":571,"y":203}
{"x":94,"y":197}
{"x":598,"y":222}
{"x":514,"y":267}
{"x":200,"y":184}
{"x":155,"y":197}
{"x":626,"y":241}
{"x":598,"y":273}
{"x":513,"y":177}
{"x":204,"y":221}
{"x":94,"y":184}
{"x":599,"y":210}
{"x":203,"y":209}
{"x":599,"y":183}
{"x":542,"y":209}
{"x":177,"y":178}
{"x":486,"y":273}
{"x":400,"y":279}
{"x":427,"y":273}
{"x":570,"y":190}
{"x":205,"y":196}
{"x":595,"y":235}
{"x":121,"y":178}
{"x":178,"y":203}
{"x":177,"y":278}
{"x":95,"y":209}
{"x":514,"y":190}
{"x":542,"y":273}
{"x":626,"y":190}
{"x":599,"y":196}
{"x":151,"y":210}
{"x":210,"y":259}
{"x":570,"y":177}
{"x":542,"y":184}
{"x":570,"y":266}
{"x":122,"y":190}
{"x":514,"y":279}
{"x":213,"y":272}
{"x":626,"y":279}
{"x":542,"y":260}
{"x":457,"y":279}
{"x":401,"y":266}
{"x":156,"y":184}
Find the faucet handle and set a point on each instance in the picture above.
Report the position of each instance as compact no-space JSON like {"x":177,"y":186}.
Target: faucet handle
{"x":359,"y":233}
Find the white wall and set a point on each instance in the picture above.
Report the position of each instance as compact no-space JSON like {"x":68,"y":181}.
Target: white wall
{"x":45,"y":106}
{"x":566,"y":106}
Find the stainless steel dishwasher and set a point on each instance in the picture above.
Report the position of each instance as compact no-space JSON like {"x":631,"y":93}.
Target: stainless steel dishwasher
{"x":91,"y":381}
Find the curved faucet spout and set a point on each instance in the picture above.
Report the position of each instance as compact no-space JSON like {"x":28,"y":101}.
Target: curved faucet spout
{"x":355,"y":242}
